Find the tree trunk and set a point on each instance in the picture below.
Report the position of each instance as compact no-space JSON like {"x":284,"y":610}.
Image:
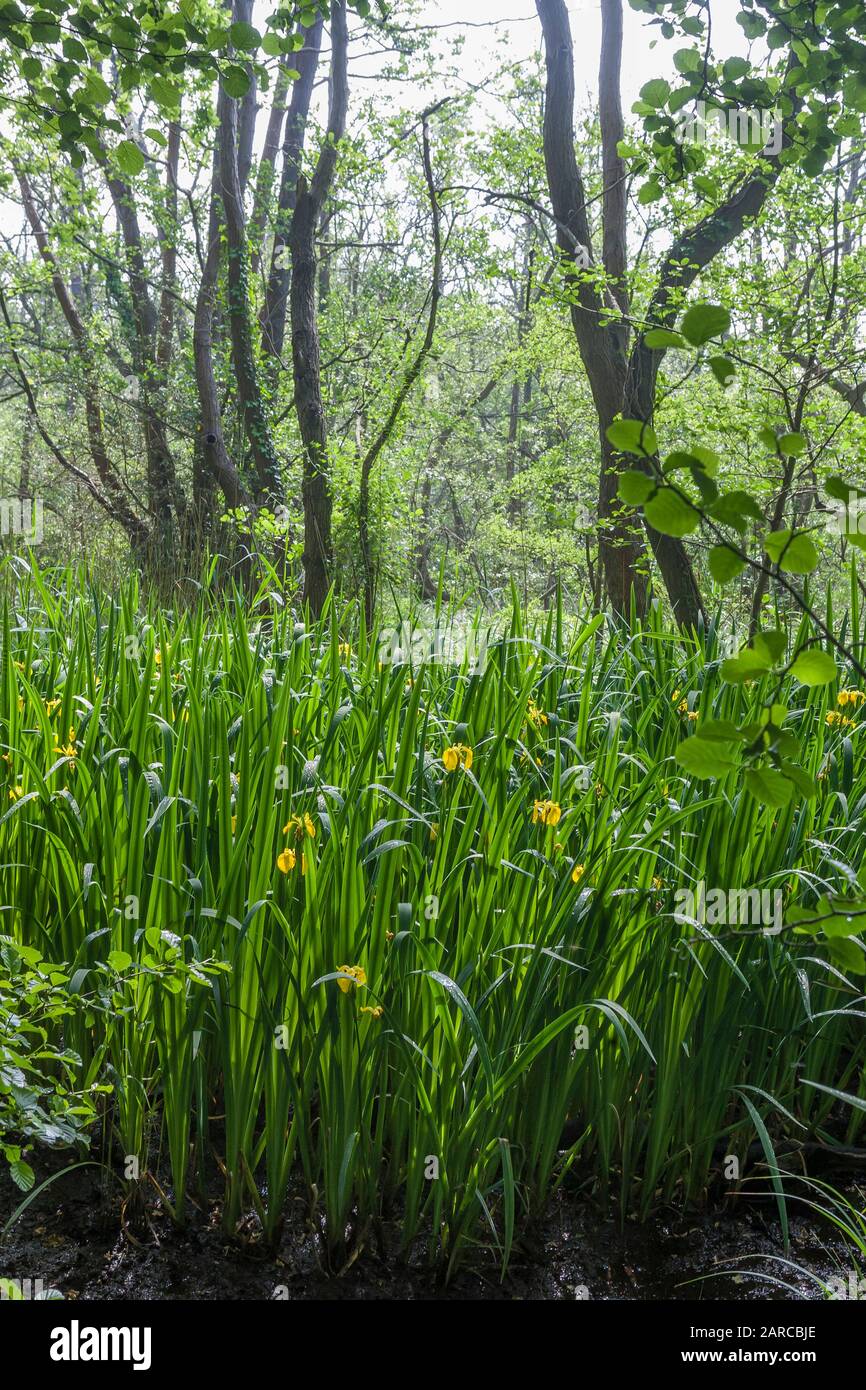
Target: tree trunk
{"x":212,"y":462}
{"x":273,"y":317}
{"x":252,"y":408}
{"x":310,"y":199}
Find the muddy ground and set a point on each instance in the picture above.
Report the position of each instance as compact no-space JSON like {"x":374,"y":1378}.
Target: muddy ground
{"x":71,"y":1239}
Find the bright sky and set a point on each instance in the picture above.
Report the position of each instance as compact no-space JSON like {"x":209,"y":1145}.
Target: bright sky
{"x":486,"y":23}
{"x":499,"y":32}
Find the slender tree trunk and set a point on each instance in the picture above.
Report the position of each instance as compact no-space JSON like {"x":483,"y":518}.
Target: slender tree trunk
{"x":602,"y":343}
{"x":267,"y":169}
{"x":113,"y":494}
{"x":212,"y":465}
{"x":273,"y":317}
{"x":410,"y":376}
{"x":164,"y":495}
{"x":623,"y":381}
{"x":310,"y":199}
{"x":269,"y":486}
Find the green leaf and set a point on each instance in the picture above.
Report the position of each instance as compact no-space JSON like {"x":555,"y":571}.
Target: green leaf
{"x":687,"y":60}
{"x":723,"y":370}
{"x":708,"y":459}
{"x":119,"y":961}
{"x":748,"y":666}
{"x":801,"y":779}
{"x":705,"y":758}
{"x":814,"y":667}
{"x":836,"y":487}
{"x":791,"y":445}
{"x":659,"y":338}
{"x":705,"y":321}
{"x":22,"y":1174}
{"x":768,"y":786}
{"x":650,"y":192}
{"x":719,"y":730}
{"x":735,"y":68}
{"x":847,"y":955}
{"x":656,"y":92}
{"x":244,"y":36}
{"x":671,"y":514}
{"x":470,"y":1016}
{"x":859,"y":1102}
{"x":754,"y":25}
{"x":129,"y":158}
{"x":769,"y":1152}
{"x":736,"y":509}
{"x":793,"y":552}
{"x":165,"y":94}
{"x":770,"y":644}
{"x":632,"y":437}
{"x":635,"y":487}
{"x":840,"y":918}
{"x":236,"y":80}
{"x":724,"y":564}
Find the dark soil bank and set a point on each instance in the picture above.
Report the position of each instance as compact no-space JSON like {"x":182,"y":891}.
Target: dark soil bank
{"x":70,"y":1239}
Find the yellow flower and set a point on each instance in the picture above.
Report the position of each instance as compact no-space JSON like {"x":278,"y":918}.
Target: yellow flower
{"x":692,"y":715}
{"x":548,"y":812}
{"x":842,"y":697}
{"x":577,"y":873}
{"x":15,"y":792}
{"x":157,"y":656}
{"x":51,"y":706}
{"x":658,"y":883}
{"x":300,"y":826}
{"x":833,"y":717}
{"x":286,"y":861}
{"x":67,"y":750}
{"x":850,"y":697}
{"x":434,"y":830}
{"x":536,"y":716}
{"x":375,"y":1011}
{"x":234,"y":825}
{"x":675,"y":696}
{"x":359,"y":977}
{"x":345,"y":650}
{"x":458,"y":755}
